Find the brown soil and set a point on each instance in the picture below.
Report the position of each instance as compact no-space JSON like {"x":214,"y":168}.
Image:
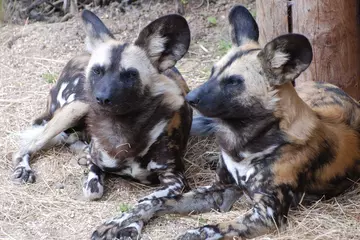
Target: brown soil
{"x":53,"y":208}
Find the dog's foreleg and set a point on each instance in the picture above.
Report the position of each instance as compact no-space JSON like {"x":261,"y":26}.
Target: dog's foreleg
{"x":93,"y":187}
{"x":201,"y":200}
{"x":63,"y":119}
{"x":172,"y":184}
{"x":266,"y":215}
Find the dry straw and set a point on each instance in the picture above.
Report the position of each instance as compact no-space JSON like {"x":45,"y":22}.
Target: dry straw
{"x":53,"y":208}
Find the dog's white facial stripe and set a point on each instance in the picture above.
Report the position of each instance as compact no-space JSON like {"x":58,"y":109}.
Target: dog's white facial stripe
{"x":101,"y":56}
{"x":135,"y":57}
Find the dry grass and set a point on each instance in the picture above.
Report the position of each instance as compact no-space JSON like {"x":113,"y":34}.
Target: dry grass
{"x":53,"y":208}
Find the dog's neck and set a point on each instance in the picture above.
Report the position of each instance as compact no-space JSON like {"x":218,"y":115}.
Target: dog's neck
{"x":297,"y":120}
{"x":128,"y":133}
{"x":251,"y":135}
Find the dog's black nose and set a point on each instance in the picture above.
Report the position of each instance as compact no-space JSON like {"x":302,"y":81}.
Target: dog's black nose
{"x":192,"y":98}
{"x":193,"y":102}
{"x":103,"y":100}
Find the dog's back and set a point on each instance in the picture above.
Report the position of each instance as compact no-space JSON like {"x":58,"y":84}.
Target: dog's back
{"x":331,"y":103}
{"x":337,"y":138}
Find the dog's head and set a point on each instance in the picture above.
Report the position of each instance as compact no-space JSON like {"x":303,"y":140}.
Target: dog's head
{"x":121,"y":77}
{"x":242,"y":84}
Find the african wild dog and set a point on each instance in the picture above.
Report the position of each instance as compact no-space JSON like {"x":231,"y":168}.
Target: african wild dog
{"x":278,"y":144}
{"x":129,"y":98}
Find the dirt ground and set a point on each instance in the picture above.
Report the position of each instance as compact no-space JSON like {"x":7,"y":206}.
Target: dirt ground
{"x":32,"y":56}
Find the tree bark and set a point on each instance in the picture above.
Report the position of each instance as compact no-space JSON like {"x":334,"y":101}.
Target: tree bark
{"x":272,"y":18}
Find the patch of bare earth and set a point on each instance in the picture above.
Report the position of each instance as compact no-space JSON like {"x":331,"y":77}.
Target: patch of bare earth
{"x":53,"y":207}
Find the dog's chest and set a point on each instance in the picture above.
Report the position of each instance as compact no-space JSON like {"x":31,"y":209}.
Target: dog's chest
{"x":134,"y":167}
{"x":240,"y":171}
{"x":248,"y":169}
{"x":127,"y":159}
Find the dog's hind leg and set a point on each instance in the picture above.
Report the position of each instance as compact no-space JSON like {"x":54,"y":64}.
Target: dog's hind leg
{"x":41,"y":136}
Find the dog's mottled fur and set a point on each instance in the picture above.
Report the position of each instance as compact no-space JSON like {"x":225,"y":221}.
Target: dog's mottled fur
{"x":279,"y":144}
{"x":128,"y":100}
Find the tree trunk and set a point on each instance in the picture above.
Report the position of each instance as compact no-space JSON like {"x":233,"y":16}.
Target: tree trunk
{"x":272,"y":18}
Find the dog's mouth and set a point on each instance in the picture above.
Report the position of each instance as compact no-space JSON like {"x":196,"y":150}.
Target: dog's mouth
{"x":113,"y":109}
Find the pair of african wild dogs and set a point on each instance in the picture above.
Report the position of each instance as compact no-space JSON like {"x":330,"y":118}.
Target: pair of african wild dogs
{"x":278,"y":144}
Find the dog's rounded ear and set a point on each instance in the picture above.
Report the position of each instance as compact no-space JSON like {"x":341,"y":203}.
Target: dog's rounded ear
{"x":285,"y":57}
{"x":165,"y":40}
{"x":243,"y":26}
{"x":95,"y":29}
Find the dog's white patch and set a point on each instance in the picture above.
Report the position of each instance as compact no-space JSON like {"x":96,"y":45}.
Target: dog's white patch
{"x":175,"y":188}
{"x":270,"y":211}
{"x":30,"y":135}
{"x":93,"y":195}
{"x":107,"y":161}
{"x":155,"y":166}
{"x":238,"y":169}
{"x":244,"y":168}
{"x":135,"y":171}
{"x":211,"y":234}
{"x":63,"y":99}
{"x":76,"y":81}
{"x":92,"y":175}
{"x":70,"y":98}
{"x":153,"y":135}
{"x":60,"y":99}
{"x":250,"y":172}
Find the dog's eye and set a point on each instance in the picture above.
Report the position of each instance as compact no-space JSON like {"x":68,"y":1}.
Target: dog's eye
{"x":98,"y":70}
{"x":233,"y":80}
{"x":131,"y":73}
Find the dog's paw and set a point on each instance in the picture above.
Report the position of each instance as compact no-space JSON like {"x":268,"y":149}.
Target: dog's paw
{"x":23,"y":174}
{"x":206,"y":232}
{"x":93,"y":187}
{"x":115,"y":230}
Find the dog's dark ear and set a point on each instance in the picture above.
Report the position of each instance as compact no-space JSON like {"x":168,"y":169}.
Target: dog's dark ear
{"x":96,"y":31}
{"x":243,"y":26}
{"x":285,"y":57}
{"x":165,"y":40}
